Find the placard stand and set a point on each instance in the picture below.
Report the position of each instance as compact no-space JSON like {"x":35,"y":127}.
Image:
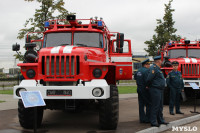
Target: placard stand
{"x":196,"y":89}
{"x":35,"y":119}
{"x":32,"y":99}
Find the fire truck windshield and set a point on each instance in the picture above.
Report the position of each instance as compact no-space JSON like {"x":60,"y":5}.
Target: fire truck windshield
{"x":88,"y":39}
{"x":83,"y":39}
{"x":177,"y":53}
{"x":194,"y":53}
{"x":57,"y":39}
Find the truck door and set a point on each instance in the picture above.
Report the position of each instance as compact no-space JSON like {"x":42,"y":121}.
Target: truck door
{"x":122,"y":56}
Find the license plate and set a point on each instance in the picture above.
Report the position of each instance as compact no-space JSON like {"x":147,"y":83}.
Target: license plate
{"x":59,"y":92}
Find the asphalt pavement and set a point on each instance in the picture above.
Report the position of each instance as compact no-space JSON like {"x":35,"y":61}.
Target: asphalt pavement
{"x":87,"y":121}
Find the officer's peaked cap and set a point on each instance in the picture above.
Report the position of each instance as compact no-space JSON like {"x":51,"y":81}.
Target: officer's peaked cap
{"x":145,"y":61}
{"x":157,"y":57}
{"x":175,"y":63}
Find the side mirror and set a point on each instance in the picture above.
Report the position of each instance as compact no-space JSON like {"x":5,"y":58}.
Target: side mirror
{"x":16,"y":47}
{"x":120,"y":40}
{"x":28,"y":39}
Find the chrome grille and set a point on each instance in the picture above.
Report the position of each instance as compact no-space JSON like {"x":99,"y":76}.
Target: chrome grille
{"x":60,"y":66}
{"x":190,"y":69}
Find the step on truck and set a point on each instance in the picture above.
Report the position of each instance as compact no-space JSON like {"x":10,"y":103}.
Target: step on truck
{"x":187,"y":53}
{"x":74,"y":64}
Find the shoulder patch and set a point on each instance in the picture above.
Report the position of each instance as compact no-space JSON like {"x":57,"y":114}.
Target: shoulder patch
{"x":153,"y":71}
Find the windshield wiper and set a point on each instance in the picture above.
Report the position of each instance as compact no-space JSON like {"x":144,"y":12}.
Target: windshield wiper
{"x":193,"y":57}
{"x":63,"y":44}
{"x":180,"y":57}
{"x":78,"y":44}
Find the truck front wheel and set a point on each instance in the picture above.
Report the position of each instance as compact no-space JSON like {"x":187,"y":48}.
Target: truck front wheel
{"x":109,"y":110}
{"x":26,"y":116}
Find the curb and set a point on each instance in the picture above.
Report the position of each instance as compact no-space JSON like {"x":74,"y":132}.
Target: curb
{"x":169,"y":126}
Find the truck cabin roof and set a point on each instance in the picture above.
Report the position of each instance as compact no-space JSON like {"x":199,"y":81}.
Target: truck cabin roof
{"x":91,"y":25}
{"x":182,"y":44}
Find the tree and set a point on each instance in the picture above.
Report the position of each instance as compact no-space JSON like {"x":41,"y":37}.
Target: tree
{"x":164,"y":32}
{"x":49,"y":9}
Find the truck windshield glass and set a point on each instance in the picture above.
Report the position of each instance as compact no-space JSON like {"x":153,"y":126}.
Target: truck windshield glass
{"x":58,"y":39}
{"x":177,"y":53}
{"x":86,"y":39}
{"x":194,"y":53}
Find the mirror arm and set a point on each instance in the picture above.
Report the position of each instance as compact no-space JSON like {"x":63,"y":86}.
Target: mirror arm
{"x":21,"y":56}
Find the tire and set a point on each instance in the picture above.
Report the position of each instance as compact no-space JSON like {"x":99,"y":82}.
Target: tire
{"x":26,"y":116}
{"x":166,"y":96}
{"x":109,"y":110}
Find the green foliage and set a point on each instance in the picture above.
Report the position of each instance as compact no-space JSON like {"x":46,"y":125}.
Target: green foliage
{"x":164,"y":32}
{"x":49,"y":9}
{"x":2,"y":101}
{"x":10,"y":92}
{"x":127,"y":89}
{"x":2,"y":75}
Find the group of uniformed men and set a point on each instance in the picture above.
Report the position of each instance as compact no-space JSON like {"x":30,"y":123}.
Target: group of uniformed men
{"x":150,"y":86}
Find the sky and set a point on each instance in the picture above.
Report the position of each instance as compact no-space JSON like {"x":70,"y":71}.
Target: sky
{"x":135,"y":18}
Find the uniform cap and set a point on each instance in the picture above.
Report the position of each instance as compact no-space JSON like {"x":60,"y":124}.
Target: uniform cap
{"x":145,"y":61}
{"x":157,"y":57}
{"x":175,"y":63}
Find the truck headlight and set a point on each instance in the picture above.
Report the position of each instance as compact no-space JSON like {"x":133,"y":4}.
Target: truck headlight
{"x":97,"y":92}
{"x":30,"y":73}
{"x":97,"y":73}
{"x":19,"y":90}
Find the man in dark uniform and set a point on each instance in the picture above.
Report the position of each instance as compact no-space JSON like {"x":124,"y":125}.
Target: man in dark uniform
{"x":156,"y":85}
{"x":175,"y":83}
{"x":143,"y":94}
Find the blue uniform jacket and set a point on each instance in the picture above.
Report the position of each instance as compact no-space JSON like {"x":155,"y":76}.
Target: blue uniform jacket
{"x":155,"y":78}
{"x":140,"y":77}
{"x":175,"y":80}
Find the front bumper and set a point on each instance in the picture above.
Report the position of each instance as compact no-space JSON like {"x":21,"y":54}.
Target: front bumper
{"x":78,"y":92}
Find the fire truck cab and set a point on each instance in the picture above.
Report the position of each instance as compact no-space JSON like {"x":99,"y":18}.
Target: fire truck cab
{"x":75,"y":65}
{"x":187,"y":53}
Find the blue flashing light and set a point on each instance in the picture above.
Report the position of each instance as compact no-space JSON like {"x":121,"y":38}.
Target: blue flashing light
{"x":170,"y":43}
{"x":46,"y":24}
{"x":100,"y":24}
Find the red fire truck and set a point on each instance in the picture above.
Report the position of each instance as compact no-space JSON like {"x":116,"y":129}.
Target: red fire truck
{"x":187,"y":53}
{"x":74,"y":65}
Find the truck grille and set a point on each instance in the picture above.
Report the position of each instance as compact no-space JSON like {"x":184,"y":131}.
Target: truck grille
{"x":60,"y":66}
{"x":190,"y":69}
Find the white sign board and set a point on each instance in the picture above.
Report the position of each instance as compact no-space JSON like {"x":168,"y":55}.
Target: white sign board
{"x":32,"y":99}
{"x":194,"y":85}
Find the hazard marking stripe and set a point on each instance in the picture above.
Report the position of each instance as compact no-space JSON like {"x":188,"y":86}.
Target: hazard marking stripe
{"x":55,"y":50}
{"x":68,"y":49}
{"x":121,"y":59}
{"x":187,"y":60}
{"x":194,"y":60}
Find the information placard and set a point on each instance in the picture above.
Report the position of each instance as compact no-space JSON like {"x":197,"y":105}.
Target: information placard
{"x":32,"y":99}
{"x":194,"y":85}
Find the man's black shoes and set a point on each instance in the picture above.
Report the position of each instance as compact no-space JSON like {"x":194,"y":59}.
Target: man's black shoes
{"x":171,"y":113}
{"x":179,"y":112}
{"x":155,"y":125}
{"x":164,"y":123}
